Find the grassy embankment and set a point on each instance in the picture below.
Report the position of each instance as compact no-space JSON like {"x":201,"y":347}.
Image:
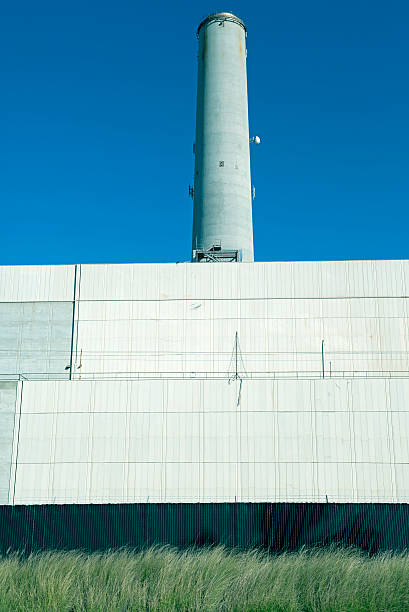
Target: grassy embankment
{"x":212,"y":579}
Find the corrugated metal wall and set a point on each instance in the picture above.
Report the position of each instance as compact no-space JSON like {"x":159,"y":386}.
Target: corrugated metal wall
{"x":212,"y":441}
{"x":36,"y":283}
{"x":277,"y":527}
{"x":36,"y":321}
{"x":35,"y":339}
{"x":181,"y":319}
{"x":225,"y":429}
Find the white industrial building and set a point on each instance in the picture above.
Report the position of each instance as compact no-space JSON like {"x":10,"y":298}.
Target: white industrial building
{"x":137,"y":390}
{"x":273,"y":386}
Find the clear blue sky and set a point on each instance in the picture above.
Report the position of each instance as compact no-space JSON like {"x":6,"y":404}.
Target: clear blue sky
{"x":97,"y":119}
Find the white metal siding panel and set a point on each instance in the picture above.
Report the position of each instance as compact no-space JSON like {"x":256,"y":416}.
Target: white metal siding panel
{"x":295,"y":437}
{"x":402,"y":481}
{"x":292,"y":397}
{"x":36,"y":283}
{"x":337,"y":481}
{"x":145,"y":437}
{"x":319,"y":279}
{"x":167,"y":281}
{"x":278,"y":280}
{"x":371,"y":437}
{"x":400,"y":436}
{"x":8,"y":399}
{"x":182,"y":318}
{"x":208,"y":440}
{"x":334,"y":279}
{"x":333,"y":437}
{"x":371,"y":397}
{"x":35,"y":338}
{"x":307,"y":280}
{"x":37,"y":439}
{"x":158,"y":440}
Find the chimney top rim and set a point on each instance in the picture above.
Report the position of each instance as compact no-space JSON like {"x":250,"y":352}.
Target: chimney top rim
{"x":222,"y":17}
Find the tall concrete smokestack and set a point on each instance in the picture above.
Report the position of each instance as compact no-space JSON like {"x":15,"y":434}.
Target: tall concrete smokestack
{"x":222,"y":213}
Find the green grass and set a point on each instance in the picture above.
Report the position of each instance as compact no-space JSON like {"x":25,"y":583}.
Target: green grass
{"x":208,"y":579}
